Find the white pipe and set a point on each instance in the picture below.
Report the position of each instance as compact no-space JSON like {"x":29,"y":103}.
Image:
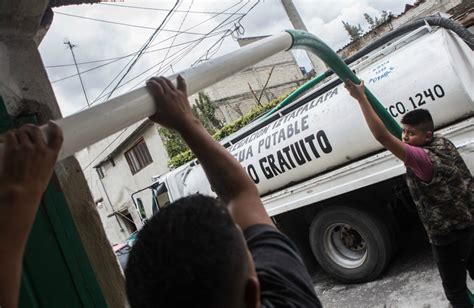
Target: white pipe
{"x":96,"y":123}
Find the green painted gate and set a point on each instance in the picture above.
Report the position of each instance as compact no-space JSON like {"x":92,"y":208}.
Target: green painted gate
{"x":56,"y":269}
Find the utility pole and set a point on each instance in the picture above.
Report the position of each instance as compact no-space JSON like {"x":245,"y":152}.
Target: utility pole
{"x":295,"y":19}
{"x":71,"y":46}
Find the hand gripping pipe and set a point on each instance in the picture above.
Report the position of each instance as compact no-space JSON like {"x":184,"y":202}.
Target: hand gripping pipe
{"x":98,"y":122}
{"x":311,"y":43}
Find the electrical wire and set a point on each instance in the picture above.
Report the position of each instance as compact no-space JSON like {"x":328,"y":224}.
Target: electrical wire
{"x":222,"y":24}
{"x":183,"y":53}
{"x":135,"y":77}
{"x":102,"y":95}
{"x":180,"y":26}
{"x":162,"y":41}
{"x":217,"y":45}
{"x":113,"y":60}
{"x":157,"y":9}
{"x":123,"y":24}
{"x":128,"y":70}
{"x":134,"y":60}
{"x":101,"y":152}
{"x":121,"y":133}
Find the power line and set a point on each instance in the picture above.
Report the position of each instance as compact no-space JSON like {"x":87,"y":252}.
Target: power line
{"x":113,"y":60}
{"x":167,"y":39}
{"x":152,"y":37}
{"x":71,"y":46}
{"x":238,"y":28}
{"x":91,"y":69}
{"x":124,"y":24}
{"x":223,"y":23}
{"x":129,"y":68}
{"x":157,"y":9}
{"x":180,"y":25}
{"x":102,"y":95}
{"x":151,"y":45}
{"x":101,"y":152}
{"x":110,"y":144}
{"x":179,"y":57}
{"x":207,"y":34}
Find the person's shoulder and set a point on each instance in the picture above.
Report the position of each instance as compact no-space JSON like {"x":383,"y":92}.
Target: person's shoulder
{"x":415,"y":151}
{"x":263,"y":236}
{"x":259,"y":230}
{"x":443,"y":142}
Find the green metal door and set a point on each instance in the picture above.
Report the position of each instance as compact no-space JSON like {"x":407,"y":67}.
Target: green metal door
{"x":56,"y":269}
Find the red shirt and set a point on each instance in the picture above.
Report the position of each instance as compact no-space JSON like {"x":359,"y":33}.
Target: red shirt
{"x":419,"y":162}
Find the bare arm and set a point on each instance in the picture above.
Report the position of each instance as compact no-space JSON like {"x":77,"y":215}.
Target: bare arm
{"x":226,"y":175}
{"x":376,"y":125}
{"x":25,"y":170}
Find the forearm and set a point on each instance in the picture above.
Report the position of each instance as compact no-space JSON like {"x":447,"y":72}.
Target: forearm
{"x":10,"y":267}
{"x":14,"y":230}
{"x":226,"y":175}
{"x":374,"y":122}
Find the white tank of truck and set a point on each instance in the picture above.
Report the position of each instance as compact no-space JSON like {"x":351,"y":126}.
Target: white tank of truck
{"x":318,"y":167}
{"x":434,"y":72}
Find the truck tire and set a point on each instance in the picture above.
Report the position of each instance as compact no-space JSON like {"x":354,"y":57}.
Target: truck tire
{"x":351,"y":245}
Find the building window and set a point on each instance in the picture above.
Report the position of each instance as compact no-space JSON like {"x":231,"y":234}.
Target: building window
{"x":138,"y":157}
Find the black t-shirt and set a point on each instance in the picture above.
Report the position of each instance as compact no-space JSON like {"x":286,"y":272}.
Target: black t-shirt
{"x":284,"y":280}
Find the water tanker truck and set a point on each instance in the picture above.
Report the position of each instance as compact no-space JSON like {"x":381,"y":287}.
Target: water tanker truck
{"x":323,"y":178}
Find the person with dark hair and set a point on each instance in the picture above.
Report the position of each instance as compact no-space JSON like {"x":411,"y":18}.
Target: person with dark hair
{"x":212,"y":253}
{"x":442,"y":188}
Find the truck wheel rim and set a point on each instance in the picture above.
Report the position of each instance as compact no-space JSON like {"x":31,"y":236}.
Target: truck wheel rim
{"x":345,"y":246}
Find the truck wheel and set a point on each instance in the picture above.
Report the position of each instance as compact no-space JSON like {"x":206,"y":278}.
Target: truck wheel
{"x":349,"y":244}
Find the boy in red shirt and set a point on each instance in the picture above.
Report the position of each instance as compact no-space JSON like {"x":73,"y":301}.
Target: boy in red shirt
{"x":442,"y":188}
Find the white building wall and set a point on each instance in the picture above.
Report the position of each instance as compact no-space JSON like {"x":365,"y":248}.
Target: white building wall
{"x":119,"y":183}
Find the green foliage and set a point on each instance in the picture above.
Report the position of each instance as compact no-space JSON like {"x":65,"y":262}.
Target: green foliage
{"x":181,"y":159}
{"x":205,"y":111}
{"x":173,"y":142}
{"x":226,"y":130}
{"x":354,"y":31}
{"x":375,"y":22}
{"x":370,"y":20}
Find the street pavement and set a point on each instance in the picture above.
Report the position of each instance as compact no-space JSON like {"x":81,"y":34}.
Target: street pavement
{"x":412,"y":280}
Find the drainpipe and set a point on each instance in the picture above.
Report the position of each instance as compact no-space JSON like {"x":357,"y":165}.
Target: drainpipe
{"x":111,"y":205}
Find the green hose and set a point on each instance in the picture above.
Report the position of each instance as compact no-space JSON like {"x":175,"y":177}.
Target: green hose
{"x":305,"y":40}
{"x":305,"y":87}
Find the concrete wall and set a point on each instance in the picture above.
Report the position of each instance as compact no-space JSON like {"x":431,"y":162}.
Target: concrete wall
{"x":232,"y":95}
{"x":426,"y":8}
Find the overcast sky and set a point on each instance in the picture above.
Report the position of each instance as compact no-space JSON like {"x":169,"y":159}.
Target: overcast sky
{"x":96,"y":40}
